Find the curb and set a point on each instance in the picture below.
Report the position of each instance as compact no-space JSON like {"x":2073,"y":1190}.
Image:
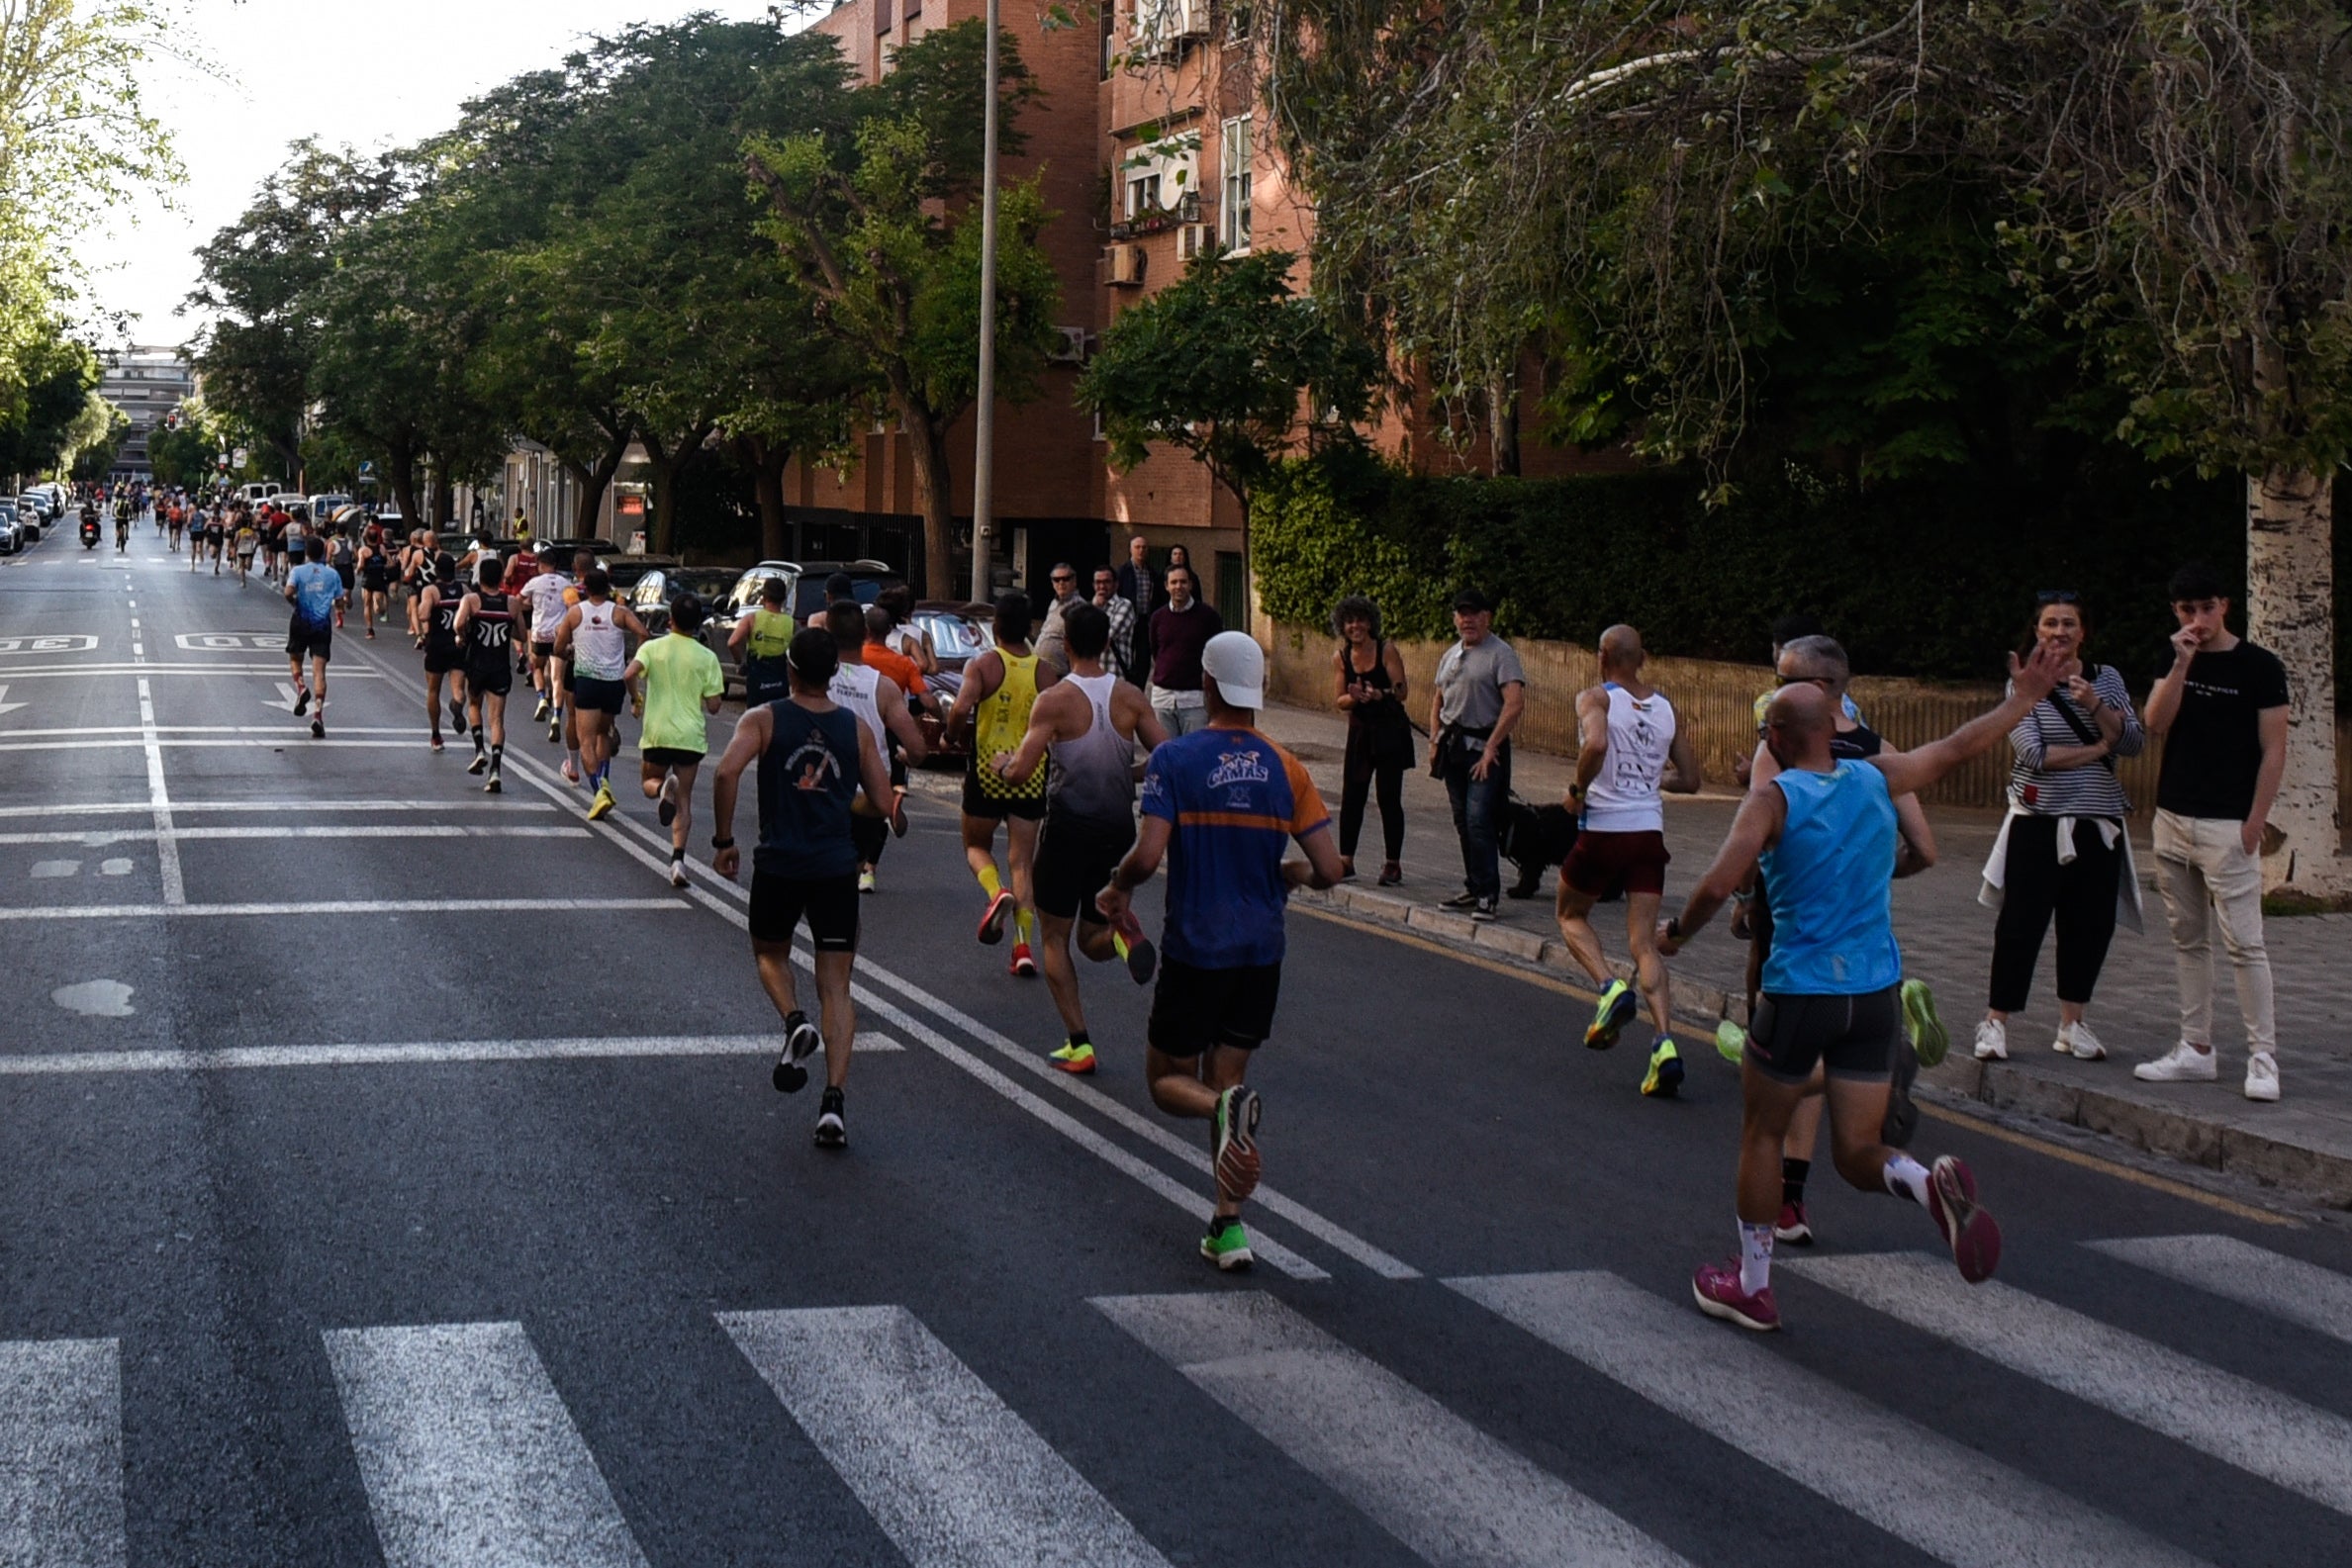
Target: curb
{"x":2274,"y":1158}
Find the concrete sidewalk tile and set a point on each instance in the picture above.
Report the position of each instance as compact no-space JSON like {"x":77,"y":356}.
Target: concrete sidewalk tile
{"x":1525,"y":946}
{"x":1445,"y":923}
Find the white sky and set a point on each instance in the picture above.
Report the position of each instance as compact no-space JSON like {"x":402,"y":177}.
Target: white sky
{"x":366,"y":72}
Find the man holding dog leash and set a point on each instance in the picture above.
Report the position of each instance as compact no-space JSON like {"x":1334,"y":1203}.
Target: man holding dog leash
{"x":1482,"y":692}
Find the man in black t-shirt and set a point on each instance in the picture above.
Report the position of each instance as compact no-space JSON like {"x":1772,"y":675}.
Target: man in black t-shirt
{"x":2221,"y":707}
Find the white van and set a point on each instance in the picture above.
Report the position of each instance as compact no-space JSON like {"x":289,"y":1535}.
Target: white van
{"x":260,"y":490}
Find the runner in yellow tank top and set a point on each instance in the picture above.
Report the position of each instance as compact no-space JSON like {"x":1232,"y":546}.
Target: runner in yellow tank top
{"x":999,"y":688}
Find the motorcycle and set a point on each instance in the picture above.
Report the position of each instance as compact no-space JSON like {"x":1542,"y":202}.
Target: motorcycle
{"x":89,"y":533}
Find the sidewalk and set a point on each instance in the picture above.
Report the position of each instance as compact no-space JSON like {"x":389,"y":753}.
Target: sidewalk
{"x":2303,"y":1143}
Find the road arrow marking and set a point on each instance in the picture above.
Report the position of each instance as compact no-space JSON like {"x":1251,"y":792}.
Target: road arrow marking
{"x":10,"y":707}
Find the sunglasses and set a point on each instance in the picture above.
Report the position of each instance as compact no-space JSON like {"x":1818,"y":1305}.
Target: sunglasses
{"x":1063,"y":576}
{"x":2057,"y":596}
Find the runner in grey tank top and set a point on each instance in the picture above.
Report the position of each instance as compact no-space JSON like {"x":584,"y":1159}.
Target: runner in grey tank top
{"x":1087,"y":725}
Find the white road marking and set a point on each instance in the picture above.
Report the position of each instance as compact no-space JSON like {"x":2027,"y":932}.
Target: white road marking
{"x":96,"y":838}
{"x":1431,"y":1479}
{"x":2230,"y":1418}
{"x":354,"y":906}
{"x":468,"y":1454}
{"x":293,"y":737}
{"x":61,"y":1429}
{"x":46,"y":870}
{"x":1862,"y":1457}
{"x":184,"y":807}
{"x":175,"y":888}
{"x":953,"y":1478}
{"x":168,"y":730}
{"x":10,"y":707}
{"x":412,"y":1053}
{"x":95,"y":999}
{"x":84,"y":671}
{"x":114,"y":867}
{"x":2318,"y":1299}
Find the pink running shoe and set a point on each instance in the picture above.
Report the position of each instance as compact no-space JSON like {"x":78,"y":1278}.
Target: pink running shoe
{"x":1972,"y":1234}
{"x":1716,"y":1287}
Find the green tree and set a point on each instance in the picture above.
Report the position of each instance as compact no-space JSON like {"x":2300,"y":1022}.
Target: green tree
{"x":94,"y":438}
{"x":1228,"y":364}
{"x":874,"y":212}
{"x":58,"y":375}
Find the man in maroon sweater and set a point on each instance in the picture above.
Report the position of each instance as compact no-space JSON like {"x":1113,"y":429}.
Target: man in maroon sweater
{"x":1181,"y":629}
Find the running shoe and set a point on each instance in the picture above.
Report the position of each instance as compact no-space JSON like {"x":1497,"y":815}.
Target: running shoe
{"x":571,"y":774}
{"x":1793,"y":1227}
{"x":2077,"y":1040}
{"x":437,"y":745}
{"x":1731,"y":1042}
{"x":457,"y":714}
{"x":1227,"y":1245}
{"x":1971,"y":1233}
{"x":898,"y":817}
{"x":866,"y":883}
{"x":480,"y":764}
{"x":1930,"y":1040}
{"x":2183,"y":1063}
{"x":991,"y":922}
{"x":539,"y":714}
{"x":1992,"y":1041}
{"x":496,"y":785}
{"x":1075,"y":1059}
{"x":1461,"y":900}
{"x":831,"y":1131}
{"x":1233,"y":1143}
{"x":2262,"y":1078}
{"x":668,"y":809}
{"x":302,"y":700}
{"x":1665,"y":1071}
{"x":318,"y":727}
{"x":1616,"y":1010}
{"x":601,"y":806}
{"x":1024,"y":963}
{"x":1143,"y":959}
{"x":555,"y":730}
{"x":677,"y":870}
{"x":800,"y":1042}
{"x":1716,"y":1288}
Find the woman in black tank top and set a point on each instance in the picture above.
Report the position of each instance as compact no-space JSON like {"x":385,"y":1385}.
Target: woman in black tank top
{"x":1369,"y":679}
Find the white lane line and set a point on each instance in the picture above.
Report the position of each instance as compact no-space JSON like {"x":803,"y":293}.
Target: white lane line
{"x":200,"y":729}
{"x":1862,"y":1457}
{"x":415,"y":1053}
{"x":1431,"y":1479}
{"x":97,"y":838}
{"x":64,"y":671}
{"x":62,"y":1432}
{"x":293,"y":737}
{"x":468,"y":1454}
{"x":2232,"y":1418}
{"x":953,"y":1478}
{"x":181,"y":808}
{"x":353,"y":907}
{"x":2315,"y":1298}
{"x":175,"y":888}
{"x":1141,"y":1171}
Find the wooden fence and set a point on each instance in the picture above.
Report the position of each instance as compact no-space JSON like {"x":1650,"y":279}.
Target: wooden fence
{"x":1717,"y":701}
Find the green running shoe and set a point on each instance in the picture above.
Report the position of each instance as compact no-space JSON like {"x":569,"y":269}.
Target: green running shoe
{"x":1614,"y":1011}
{"x":1930,"y":1040}
{"x":1665,"y":1071}
{"x":1233,"y":1143}
{"x":1227,"y":1244}
{"x":1731,"y":1042}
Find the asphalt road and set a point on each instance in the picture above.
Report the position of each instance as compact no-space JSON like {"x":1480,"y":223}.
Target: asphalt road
{"x":394,"y":1176}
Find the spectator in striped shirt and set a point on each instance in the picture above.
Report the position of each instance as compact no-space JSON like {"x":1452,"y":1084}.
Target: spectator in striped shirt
{"x":2063,"y":851}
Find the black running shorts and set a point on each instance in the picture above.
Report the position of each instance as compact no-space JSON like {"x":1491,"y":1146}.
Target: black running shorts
{"x":443,"y":661}
{"x":1075,"y":860}
{"x":592,"y":695}
{"x":1848,"y":1037}
{"x":978,"y":803}
{"x":541,"y":651}
{"x":305,"y":641}
{"x":670,"y":756}
{"x":1194,"y":1009}
{"x":495,"y":679}
{"x":830,"y":905}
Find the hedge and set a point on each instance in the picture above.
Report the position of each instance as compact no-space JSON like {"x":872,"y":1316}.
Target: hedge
{"x":1925,"y":580}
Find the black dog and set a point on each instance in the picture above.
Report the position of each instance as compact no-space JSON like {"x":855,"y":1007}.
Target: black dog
{"x":1535,"y":839}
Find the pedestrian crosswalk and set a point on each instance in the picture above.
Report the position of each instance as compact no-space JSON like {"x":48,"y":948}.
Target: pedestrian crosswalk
{"x":467,"y":1451}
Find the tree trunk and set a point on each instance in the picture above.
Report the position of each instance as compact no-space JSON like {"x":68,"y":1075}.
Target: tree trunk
{"x":2290,"y":609}
{"x":767,"y":461}
{"x":401,"y":458}
{"x":667,"y":464}
{"x":593,"y":480}
{"x":935,"y":481}
{"x":1502,"y":424}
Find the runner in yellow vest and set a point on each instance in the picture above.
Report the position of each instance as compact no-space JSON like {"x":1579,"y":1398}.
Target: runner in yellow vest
{"x":999,"y":688}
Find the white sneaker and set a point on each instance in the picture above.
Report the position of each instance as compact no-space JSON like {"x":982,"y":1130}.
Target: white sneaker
{"x":2078,"y":1039}
{"x":2183,"y":1063}
{"x":2262,"y":1076}
{"x":1992,"y":1042}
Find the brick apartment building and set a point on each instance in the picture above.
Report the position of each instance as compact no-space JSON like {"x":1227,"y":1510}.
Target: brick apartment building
{"x":1144,"y":163}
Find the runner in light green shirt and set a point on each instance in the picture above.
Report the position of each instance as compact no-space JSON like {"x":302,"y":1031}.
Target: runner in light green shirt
{"x":682,"y":683}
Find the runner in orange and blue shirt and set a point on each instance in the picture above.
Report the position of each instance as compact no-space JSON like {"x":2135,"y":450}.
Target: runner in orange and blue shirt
{"x":1223,"y":804}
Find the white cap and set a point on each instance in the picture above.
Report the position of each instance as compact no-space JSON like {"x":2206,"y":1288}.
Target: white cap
{"x":1239,"y":665}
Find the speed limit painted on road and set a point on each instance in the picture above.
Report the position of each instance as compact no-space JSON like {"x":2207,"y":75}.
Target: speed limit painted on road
{"x":47,"y":645}
{"x":230,"y":641}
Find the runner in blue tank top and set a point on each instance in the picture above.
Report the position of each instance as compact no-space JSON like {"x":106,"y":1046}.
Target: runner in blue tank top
{"x":814,"y":758}
{"x":1824,"y":834}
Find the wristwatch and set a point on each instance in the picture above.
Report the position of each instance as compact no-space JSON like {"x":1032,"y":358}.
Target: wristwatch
{"x":722,"y":843}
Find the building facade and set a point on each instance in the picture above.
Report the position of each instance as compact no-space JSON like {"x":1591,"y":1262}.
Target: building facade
{"x":145,"y":383}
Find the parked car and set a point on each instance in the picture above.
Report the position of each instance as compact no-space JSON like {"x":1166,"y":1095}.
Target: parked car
{"x":12,"y":537}
{"x":31,"y":525}
{"x":36,"y":503}
{"x":329,"y":504}
{"x":652,"y":594}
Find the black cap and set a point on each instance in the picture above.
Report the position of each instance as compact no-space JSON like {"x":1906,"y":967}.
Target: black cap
{"x":1471,"y":600}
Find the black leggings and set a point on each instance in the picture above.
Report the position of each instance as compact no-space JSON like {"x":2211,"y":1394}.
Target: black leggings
{"x":2082,"y":896}
{"x":1362,"y":772}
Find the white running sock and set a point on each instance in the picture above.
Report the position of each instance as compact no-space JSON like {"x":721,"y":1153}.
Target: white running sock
{"x":1906,"y":1177}
{"x":1755,"y":1257}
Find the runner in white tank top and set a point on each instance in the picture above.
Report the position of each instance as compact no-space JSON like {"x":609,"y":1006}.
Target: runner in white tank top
{"x":881,"y":707}
{"x":1629,"y":748}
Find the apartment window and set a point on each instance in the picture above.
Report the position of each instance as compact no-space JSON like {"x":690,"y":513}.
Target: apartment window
{"x":1233,"y":169}
{"x":1142,"y":192}
{"x":883,"y":20}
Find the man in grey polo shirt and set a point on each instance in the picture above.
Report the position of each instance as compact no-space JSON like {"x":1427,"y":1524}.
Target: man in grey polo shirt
{"x":1482,"y":690}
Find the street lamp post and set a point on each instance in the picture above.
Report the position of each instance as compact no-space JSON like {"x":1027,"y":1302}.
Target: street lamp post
{"x":983,"y":452}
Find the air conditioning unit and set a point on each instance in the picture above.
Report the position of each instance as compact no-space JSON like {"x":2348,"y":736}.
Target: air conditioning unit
{"x":1121,"y":266}
{"x":1071,"y":347}
{"x":1195,"y":239}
